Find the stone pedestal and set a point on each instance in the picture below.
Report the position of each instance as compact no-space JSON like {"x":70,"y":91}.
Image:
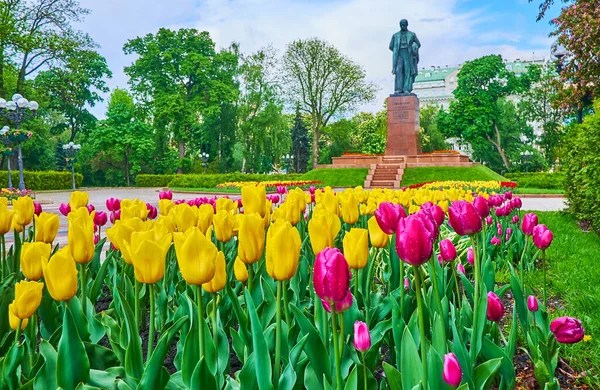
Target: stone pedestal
{"x":403,"y":126}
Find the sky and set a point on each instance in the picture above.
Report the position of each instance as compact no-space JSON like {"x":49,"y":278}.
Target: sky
{"x":450,"y":31}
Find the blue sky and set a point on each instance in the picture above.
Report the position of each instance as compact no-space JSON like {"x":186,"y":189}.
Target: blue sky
{"x":451,"y":31}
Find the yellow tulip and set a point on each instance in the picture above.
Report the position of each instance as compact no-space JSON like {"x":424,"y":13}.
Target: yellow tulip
{"x":78,"y":199}
{"x":378,"y":237}
{"x":205,"y":217}
{"x":283,"y":250}
{"x":254,"y":199}
{"x":81,"y":235}
{"x":240,"y":270}
{"x":186,"y":216}
{"x":6,"y":218}
{"x":28,"y":296}
{"x":220,"y":277}
{"x":223,"y":222}
{"x":4,"y":201}
{"x":14,"y":320}
{"x":349,"y":207}
{"x":32,"y":254}
{"x":323,"y":228}
{"x":195,"y":255}
{"x":167,"y":221}
{"x":251,"y":238}
{"x":227,"y":204}
{"x":134,"y":209}
{"x":23,"y":207}
{"x":121,"y":231}
{"x":267,"y":216}
{"x":46,"y":227}
{"x":148,"y":250}
{"x":164,"y":206}
{"x":330,"y":201}
{"x":60,"y":275}
{"x":356,"y":247}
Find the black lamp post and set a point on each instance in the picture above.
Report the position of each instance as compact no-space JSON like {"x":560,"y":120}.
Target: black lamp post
{"x":17,"y":111}
{"x":72,"y":149}
{"x":526,"y":155}
{"x":287,"y":160}
{"x":559,"y":52}
{"x":204,"y":157}
{"x":7,"y":152}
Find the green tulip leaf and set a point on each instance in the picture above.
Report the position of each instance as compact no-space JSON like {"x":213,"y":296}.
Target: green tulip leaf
{"x":259,"y":345}
{"x":202,"y":377}
{"x":393,"y":376}
{"x":73,"y":365}
{"x":412,"y":370}
{"x":46,"y":376}
{"x":134,"y":365}
{"x":100,"y":277}
{"x":485,"y":372}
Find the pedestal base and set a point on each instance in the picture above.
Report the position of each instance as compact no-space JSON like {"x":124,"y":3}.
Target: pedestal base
{"x":403,"y":126}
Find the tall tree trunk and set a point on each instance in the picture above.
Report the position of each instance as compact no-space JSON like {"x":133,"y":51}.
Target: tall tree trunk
{"x":126,"y":161}
{"x":498,"y":145}
{"x":315,"y":145}
{"x":2,"y":71}
{"x":181,"y":155}
{"x":21,"y":79}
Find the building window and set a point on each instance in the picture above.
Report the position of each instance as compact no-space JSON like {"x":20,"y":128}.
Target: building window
{"x":427,"y":74}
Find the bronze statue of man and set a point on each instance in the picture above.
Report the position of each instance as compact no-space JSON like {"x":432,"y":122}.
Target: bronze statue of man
{"x":405,"y":46}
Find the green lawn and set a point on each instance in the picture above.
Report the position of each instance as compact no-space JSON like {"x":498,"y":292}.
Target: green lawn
{"x":209,"y":190}
{"x":425,"y":174}
{"x":338,"y":177}
{"x":526,"y":190}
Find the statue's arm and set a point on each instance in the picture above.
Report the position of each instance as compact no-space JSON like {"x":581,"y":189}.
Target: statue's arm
{"x":392,"y":43}
{"x":417,"y":41}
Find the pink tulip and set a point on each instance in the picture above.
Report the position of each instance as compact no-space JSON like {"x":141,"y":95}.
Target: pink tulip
{"x":311,"y":190}
{"x":508,"y":195}
{"x":152,"y":212}
{"x":406,"y":284}
{"x":495,"y":200}
{"x":495,"y":241}
{"x":516,"y":203}
{"x":429,"y":223}
{"x":567,"y":330}
{"x":340,"y":306}
{"x":532,"y":303}
{"x":90,"y":207}
{"x":37,"y":208}
{"x":452,"y":373}
{"x":362,"y":337}
{"x":461,"y":268}
{"x":515,"y":219}
{"x":508,"y":231}
{"x":529,"y":222}
{"x":281,"y":190}
{"x":447,"y":250}
{"x":114,"y":216}
{"x":113,"y":204}
{"x":387,"y":216}
{"x":332,"y":275}
{"x":64,"y":209}
{"x":100,"y":218}
{"x":481,"y":204}
{"x":500,"y":231}
{"x":166,"y":194}
{"x":489,"y":220}
{"x":435,"y":211}
{"x":470,"y":256}
{"x":542,"y":236}
{"x":413,"y":241}
{"x":495,"y":309}
{"x":464,"y":218}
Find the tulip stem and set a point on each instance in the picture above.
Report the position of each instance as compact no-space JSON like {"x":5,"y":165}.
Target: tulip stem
{"x":458,"y":296}
{"x":250,"y":277}
{"x":544,"y":272}
{"x":422,"y":341}
{"x":151,"y":334}
{"x":521,"y":265}
{"x":84,"y":289}
{"x":355,"y":271}
{"x":286,"y":303}
{"x":18,"y":331}
{"x":136,"y":301}
{"x":276,"y":369}
{"x":341,"y":317}
{"x":364,"y":370}
{"x":214,"y":318}
{"x":436,"y":289}
{"x":473,"y":351}
{"x":200,"y":319}
{"x":336,"y":349}
{"x":401,"y":263}
{"x":3,"y":250}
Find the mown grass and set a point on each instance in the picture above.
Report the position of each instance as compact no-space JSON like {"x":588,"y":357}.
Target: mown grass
{"x":426,"y":174}
{"x":338,"y":177}
{"x":208,"y":190}
{"x":526,"y":190}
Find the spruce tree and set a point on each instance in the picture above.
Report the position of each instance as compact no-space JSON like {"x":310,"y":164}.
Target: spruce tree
{"x":300,"y":144}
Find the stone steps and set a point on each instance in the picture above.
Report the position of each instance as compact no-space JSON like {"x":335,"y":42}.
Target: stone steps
{"x":387,"y":173}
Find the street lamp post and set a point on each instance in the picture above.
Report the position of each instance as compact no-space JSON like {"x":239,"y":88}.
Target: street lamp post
{"x":287,"y":160}
{"x":17,"y":111}
{"x":8,"y":152}
{"x":71,"y":149}
{"x":526,"y":155}
{"x":204,"y":157}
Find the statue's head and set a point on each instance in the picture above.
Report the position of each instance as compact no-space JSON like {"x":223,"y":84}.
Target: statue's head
{"x":404,"y":25}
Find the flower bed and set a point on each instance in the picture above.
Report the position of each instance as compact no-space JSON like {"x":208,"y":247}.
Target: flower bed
{"x":270,"y":184}
{"x":315,"y":289}
{"x":14,"y":193}
{"x":476,"y":186}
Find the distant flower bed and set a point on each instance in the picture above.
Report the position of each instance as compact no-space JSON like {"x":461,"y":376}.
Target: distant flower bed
{"x":14,"y":193}
{"x":270,"y":184}
{"x":475,"y":186}
{"x":360,"y":154}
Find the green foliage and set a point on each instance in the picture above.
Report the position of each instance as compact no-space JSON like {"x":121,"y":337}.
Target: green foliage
{"x":427,"y":174}
{"x":42,"y":180}
{"x":300,"y":143}
{"x":206,"y":181}
{"x":147,"y":180}
{"x":338,"y":177}
{"x":538,"y":180}
{"x":432,"y":138}
{"x":335,"y":140}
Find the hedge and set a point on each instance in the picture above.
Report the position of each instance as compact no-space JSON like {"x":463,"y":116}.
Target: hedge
{"x":42,"y":180}
{"x":538,"y":180}
{"x":205,"y":181}
{"x":144,"y":180}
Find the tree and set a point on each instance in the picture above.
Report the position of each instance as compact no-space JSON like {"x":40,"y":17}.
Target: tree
{"x":300,"y":143}
{"x":476,"y":112}
{"x":325,"y":83}
{"x":369,"y":132}
{"x":336,"y":140}
{"x":73,"y":88}
{"x":432,"y":138}
{"x":181,"y":79}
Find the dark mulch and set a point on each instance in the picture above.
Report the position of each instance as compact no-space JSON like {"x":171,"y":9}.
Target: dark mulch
{"x":585,"y":226}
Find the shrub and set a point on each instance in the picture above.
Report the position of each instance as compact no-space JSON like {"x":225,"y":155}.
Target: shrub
{"x":144,"y":180}
{"x":538,"y":180}
{"x":338,"y":177}
{"x":42,"y":180}
{"x":209,"y":180}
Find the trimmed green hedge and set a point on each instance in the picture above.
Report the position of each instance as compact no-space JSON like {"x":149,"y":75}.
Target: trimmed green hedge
{"x":338,"y":177}
{"x":538,"y":180}
{"x":42,"y":180}
{"x":144,"y":180}
{"x":205,"y":181}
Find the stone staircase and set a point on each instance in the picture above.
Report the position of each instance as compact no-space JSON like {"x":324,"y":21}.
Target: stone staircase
{"x":387,"y":174}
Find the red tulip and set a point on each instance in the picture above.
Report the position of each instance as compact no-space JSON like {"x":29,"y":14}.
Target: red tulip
{"x":452,"y":373}
{"x":340,"y":306}
{"x":166,"y":194}
{"x":529,"y":222}
{"x":481,"y":204}
{"x":495,"y":309}
{"x":532,"y":303}
{"x":362,"y":337}
{"x":413,"y":241}
{"x":100,"y":218}
{"x":447,"y":250}
{"x":332,"y":275}
{"x":37,"y":208}
{"x":387,"y":216}
{"x":464,"y":218}
{"x":64,"y":209}
{"x":542,"y":236}
{"x":470,"y":256}
{"x":567,"y":330}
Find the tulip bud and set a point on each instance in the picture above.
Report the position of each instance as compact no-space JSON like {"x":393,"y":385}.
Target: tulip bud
{"x":529,"y":222}
{"x":516,"y":203}
{"x":508,"y":231}
{"x":283,"y":250}
{"x":532,"y":303}
{"x":356,"y":248}
{"x":500,"y":231}
{"x":481,"y":204}
{"x":323,"y":228}
{"x":81,"y":235}
{"x":37,"y":208}
{"x":495,"y":200}
{"x":461,"y":268}
{"x":508,"y":195}
{"x":311,"y":190}
{"x":340,"y":306}
{"x":149,"y":249}
{"x":495,"y":309}
{"x":90,"y":208}
{"x":406,"y":284}
{"x":495,"y":241}
{"x":240,"y":270}
{"x":435,"y":211}
{"x":60,"y":275}
{"x":413,"y":241}
{"x":379,"y":239}
{"x":331,"y":276}
{"x":196,"y":256}
{"x":115,"y":216}
{"x":489,"y":220}
{"x":515,"y":219}
{"x":113,"y":204}
{"x":152,"y":212}
{"x":217,"y":283}
{"x":470,"y":256}
{"x":464,"y":218}
{"x":349,"y":208}
{"x":251,"y":238}
{"x":447,"y":250}
{"x":542,"y":236}
{"x":206,"y":214}
{"x":387,"y":215}
{"x":13,"y":320}
{"x":567,"y":330}
{"x":362,"y":337}
{"x":429,"y":223}
{"x":254,"y":198}
{"x":78,"y":199}
{"x":28,"y":296}
{"x":31,"y":256}
{"x":166,"y":194}
{"x":452,"y":373}
{"x":100,"y":218}
{"x":46,"y":227}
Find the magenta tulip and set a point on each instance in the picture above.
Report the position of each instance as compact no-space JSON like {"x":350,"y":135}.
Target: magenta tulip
{"x":113,"y":204}
{"x":509,"y":231}
{"x":447,"y":250}
{"x":489,"y":220}
{"x":516,"y":203}
{"x":532,"y":303}
{"x":529,"y":222}
{"x":567,"y":330}
{"x":311,"y":190}
{"x":430,"y":224}
{"x":452,"y":373}
{"x":340,"y":306}
{"x":464,"y":218}
{"x":387,"y":216}
{"x":508,"y":195}
{"x":495,"y":309}
{"x":500,"y":231}
{"x":495,"y":241}
{"x":461,"y":268}
{"x":114,"y":216}
{"x":37,"y":208}
{"x":166,"y":194}
{"x":435,"y":211}
{"x":64,"y":209}
{"x":100,"y":218}
{"x":470,"y":256}
{"x":362,"y":337}
{"x":482,"y":206}
{"x":495,"y":200}
{"x":413,"y":241}
{"x":90,"y":207}
{"x":406,"y":284}
{"x":515,"y":219}
{"x":331,"y":275}
{"x":542,"y":236}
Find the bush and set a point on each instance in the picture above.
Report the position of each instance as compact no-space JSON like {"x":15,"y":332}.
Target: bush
{"x":582,"y":167}
{"x":538,"y":180}
{"x":144,"y":180}
{"x":338,"y":177}
{"x":42,"y":180}
{"x":206,"y":181}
